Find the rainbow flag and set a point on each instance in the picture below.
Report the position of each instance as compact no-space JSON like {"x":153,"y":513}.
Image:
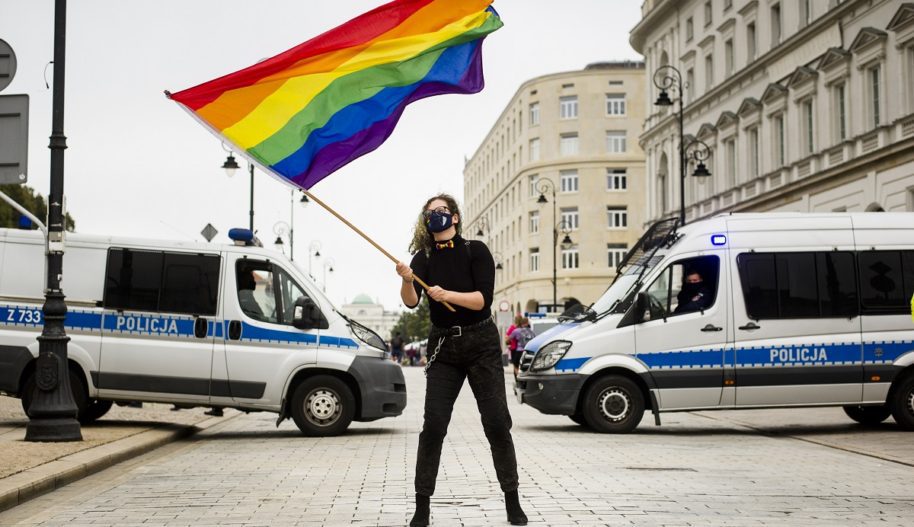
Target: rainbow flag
{"x":310,"y":110}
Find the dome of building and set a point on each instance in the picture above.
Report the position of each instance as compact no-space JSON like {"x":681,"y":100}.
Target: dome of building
{"x":362,"y":299}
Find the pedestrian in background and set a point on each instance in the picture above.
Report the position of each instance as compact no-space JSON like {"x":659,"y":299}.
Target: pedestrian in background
{"x":519,"y":338}
{"x":466,"y":346}
{"x":396,"y":348}
{"x":508,"y":343}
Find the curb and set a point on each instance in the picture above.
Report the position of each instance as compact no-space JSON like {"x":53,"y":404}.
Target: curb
{"x":31,"y":483}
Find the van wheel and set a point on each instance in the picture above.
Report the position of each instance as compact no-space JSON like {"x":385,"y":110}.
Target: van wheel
{"x":578,"y":418}
{"x":78,"y":388}
{"x":322,"y":406}
{"x":613,"y":404}
{"x":95,"y":411}
{"x":868,"y":415}
{"x":902,"y":403}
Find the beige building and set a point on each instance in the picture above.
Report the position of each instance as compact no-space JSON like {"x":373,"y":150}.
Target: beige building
{"x":572,"y":138}
{"x":807,"y":105}
{"x":369,"y":313}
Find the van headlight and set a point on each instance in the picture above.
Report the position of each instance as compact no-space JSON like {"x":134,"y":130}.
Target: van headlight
{"x":549,"y":355}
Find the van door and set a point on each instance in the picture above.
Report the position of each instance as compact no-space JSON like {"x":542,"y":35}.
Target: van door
{"x":797,"y":322}
{"x":157,"y":325}
{"x":683,"y":337}
{"x":261,"y":346}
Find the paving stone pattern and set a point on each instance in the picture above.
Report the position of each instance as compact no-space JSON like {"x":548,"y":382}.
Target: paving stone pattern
{"x":694,"y":470}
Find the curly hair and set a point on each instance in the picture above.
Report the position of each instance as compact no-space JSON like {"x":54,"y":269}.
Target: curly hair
{"x":422,"y":240}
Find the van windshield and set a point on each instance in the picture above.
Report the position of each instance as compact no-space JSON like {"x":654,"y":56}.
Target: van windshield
{"x":626,"y":286}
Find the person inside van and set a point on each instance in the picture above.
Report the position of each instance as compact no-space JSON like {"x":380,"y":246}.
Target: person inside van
{"x":695,"y":294}
{"x":246,"y":286}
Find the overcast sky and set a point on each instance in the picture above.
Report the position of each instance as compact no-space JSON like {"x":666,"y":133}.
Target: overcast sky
{"x":138,"y":165}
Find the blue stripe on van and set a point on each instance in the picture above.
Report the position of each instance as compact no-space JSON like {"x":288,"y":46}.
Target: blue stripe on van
{"x":882,"y":352}
{"x":571,"y":364}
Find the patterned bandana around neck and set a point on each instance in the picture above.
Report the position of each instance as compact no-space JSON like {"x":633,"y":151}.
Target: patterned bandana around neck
{"x":445,"y":245}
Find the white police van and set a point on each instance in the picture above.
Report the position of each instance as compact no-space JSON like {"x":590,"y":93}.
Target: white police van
{"x":788,"y":310}
{"x":194,"y":324}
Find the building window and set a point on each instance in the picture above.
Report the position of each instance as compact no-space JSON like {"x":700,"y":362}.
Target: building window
{"x":780,"y":154}
{"x":839,"y":105}
{"x":751,"y":44}
{"x":616,"y":179}
{"x":805,"y":13}
{"x":730,"y":152}
{"x":535,"y":149}
{"x":709,"y":71}
{"x":535,"y":222}
{"x":874,"y":82}
{"x":571,"y":258}
{"x":910,"y":77}
{"x":569,"y":218}
{"x":534,"y":259}
{"x":728,"y":56}
{"x":689,"y":29}
{"x":754,"y":168}
{"x":568,"y":144}
{"x":615,"y":104}
{"x":690,"y":85}
{"x":728,"y":4}
{"x":534,"y":114}
{"x":775,"y":25}
{"x":909,"y":201}
{"x":616,"y":142}
{"x":568,"y":107}
{"x":709,"y":13}
{"x":807,"y":114}
{"x":617,"y":217}
{"x":569,"y":180}
{"x":616,"y":253}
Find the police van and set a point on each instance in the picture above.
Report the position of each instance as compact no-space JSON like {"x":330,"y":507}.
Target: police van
{"x":741,"y":311}
{"x":197,"y":325}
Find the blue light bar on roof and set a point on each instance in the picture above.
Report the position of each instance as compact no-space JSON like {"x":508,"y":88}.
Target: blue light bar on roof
{"x":718,"y":240}
{"x":245,"y":236}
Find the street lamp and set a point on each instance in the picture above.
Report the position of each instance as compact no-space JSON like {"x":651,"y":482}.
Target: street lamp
{"x":542,"y":186}
{"x":314,"y":249}
{"x":666,"y":78}
{"x":498,"y":259}
{"x":52,"y":413}
{"x":482,"y":226}
{"x":328,"y":265}
{"x":280,"y":229}
{"x":231,"y":166}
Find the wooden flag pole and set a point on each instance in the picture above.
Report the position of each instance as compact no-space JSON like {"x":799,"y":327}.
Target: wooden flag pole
{"x":369,"y":240}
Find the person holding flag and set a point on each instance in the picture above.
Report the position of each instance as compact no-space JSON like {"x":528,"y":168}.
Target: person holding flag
{"x":463,"y":344}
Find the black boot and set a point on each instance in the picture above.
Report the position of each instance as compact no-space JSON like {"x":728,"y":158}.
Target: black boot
{"x":420,"y":518}
{"x":516,"y":515}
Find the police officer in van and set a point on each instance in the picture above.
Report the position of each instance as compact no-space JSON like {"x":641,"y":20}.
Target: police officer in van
{"x":695,"y":294}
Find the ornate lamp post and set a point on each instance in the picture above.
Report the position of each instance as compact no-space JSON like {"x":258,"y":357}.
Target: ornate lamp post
{"x":669,"y":78}
{"x":231,"y":166}
{"x":542,"y":186}
{"x":482,"y":226}
{"x":328,"y":266}
{"x":314,"y":250}
{"x":52,"y":414}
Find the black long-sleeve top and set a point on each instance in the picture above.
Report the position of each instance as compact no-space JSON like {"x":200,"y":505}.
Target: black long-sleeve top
{"x":464,"y":268}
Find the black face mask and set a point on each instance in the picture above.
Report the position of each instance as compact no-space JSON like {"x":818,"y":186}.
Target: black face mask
{"x":691,"y":289}
{"x":438,"y":221}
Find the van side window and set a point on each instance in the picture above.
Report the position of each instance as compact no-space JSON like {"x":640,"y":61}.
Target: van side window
{"x":159,"y":281}
{"x":291,"y":292}
{"x":256,"y":294}
{"x":798,"y":285}
{"x":886,"y":281}
{"x":684,"y":287}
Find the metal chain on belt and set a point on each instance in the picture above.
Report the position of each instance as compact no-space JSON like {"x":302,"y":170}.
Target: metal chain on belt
{"x":434,"y":355}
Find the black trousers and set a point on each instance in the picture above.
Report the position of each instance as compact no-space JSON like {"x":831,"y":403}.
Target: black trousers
{"x":475,"y":355}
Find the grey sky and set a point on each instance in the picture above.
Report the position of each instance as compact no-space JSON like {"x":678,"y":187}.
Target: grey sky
{"x":138,"y":165}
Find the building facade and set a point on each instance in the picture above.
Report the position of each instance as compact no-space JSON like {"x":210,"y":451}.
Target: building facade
{"x":572,"y":139}
{"x":806,"y":105}
{"x":369,"y":313}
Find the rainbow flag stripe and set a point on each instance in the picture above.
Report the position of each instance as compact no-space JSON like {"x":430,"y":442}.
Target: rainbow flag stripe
{"x":312,"y":109}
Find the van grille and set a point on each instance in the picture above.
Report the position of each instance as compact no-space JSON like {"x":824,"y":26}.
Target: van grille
{"x":526,"y":360}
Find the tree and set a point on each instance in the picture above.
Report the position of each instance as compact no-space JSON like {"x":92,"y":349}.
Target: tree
{"x":31,"y":201}
{"x":414,"y":324}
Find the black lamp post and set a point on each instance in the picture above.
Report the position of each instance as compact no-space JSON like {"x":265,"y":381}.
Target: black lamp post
{"x":230,"y":166}
{"x":542,"y":186}
{"x":669,"y":78}
{"x":482,"y":226}
{"x":52,"y":413}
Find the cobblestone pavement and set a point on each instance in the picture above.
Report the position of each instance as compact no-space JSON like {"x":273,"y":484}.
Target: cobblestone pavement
{"x":697,"y":469}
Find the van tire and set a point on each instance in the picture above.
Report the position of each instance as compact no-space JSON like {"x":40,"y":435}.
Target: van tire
{"x":868,"y":415}
{"x":613,"y":405}
{"x":87,"y":411}
{"x":578,"y":418}
{"x":322,"y":406}
{"x":902,"y":403}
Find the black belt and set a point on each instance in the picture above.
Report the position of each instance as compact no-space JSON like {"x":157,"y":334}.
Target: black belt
{"x":457,"y":331}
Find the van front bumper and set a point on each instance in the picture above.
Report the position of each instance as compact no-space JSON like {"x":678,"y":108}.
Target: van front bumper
{"x":550,"y":394}
{"x":382,"y":387}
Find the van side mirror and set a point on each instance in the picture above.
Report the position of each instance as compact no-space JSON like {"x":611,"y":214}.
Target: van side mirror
{"x":306,"y":315}
{"x":635,"y":313}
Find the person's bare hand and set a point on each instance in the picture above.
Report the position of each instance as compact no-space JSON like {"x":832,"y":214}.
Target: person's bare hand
{"x":405,"y":272}
{"x":438,"y":294}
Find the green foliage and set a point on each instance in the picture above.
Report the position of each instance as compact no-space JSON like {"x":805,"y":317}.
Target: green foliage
{"x":33,"y":202}
{"x":414,"y":324}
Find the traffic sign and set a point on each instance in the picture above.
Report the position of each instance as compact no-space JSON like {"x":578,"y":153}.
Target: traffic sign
{"x":209,"y":232}
{"x":14,"y":138}
{"x":7,"y":64}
